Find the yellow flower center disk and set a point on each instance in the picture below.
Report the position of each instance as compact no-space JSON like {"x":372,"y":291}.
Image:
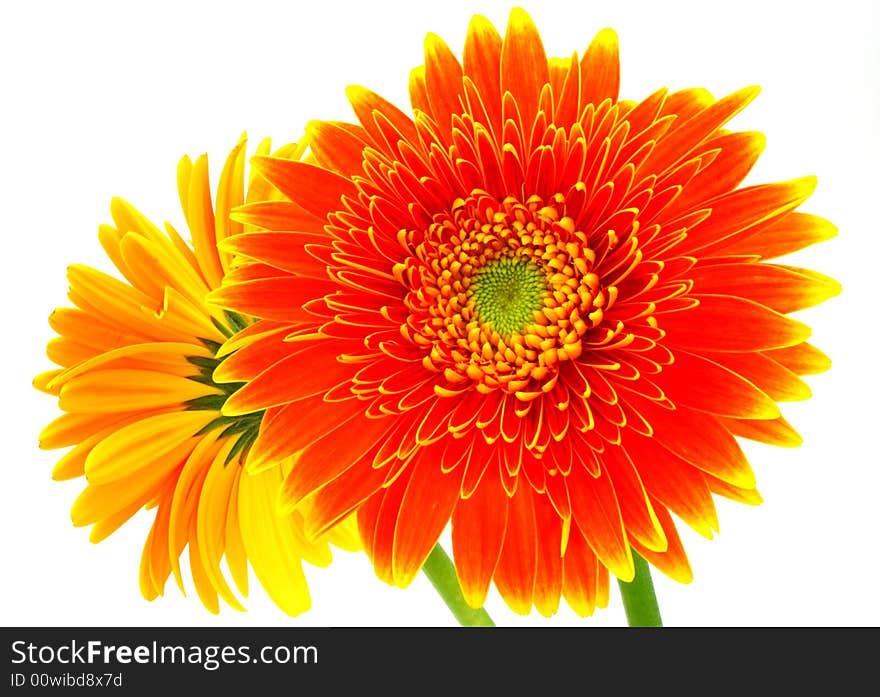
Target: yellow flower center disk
{"x":507,"y":292}
{"x":501,"y":293}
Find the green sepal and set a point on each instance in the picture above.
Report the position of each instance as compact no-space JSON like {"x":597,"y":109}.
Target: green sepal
{"x":236,"y":321}
{"x":241,"y":445}
{"x":203,"y":379}
{"x":222,"y":328}
{"x":211,"y":345}
{"x":208,"y":402}
{"x":208,"y":362}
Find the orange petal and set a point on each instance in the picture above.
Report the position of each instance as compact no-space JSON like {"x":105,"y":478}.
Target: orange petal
{"x":329,"y":456}
{"x":565,"y":77}
{"x":685,"y":104}
{"x":44,"y":381}
{"x":281,"y":298}
{"x":316,"y":189}
{"x":283,"y":250}
{"x":772,"y":378}
{"x":781,"y":288}
{"x":425,"y":510}
{"x":304,"y":373}
{"x":697,"y":382}
{"x":105,"y":527}
{"x":518,"y":561}
{"x":72,"y":464}
{"x":596,"y":511}
{"x":236,"y":554}
{"x":523,"y":64}
{"x":253,"y":358}
{"x":337,"y":147}
{"x":249,"y":334}
{"x":600,"y":69}
{"x":478,"y":525}
{"x":674,"y":483}
{"x":213,"y":505}
{"x":744,"y":212}
{"x":166,"y":357}
{"x":777,"y":432}
{"x":418,"y":93}
{"x":442,"y":81}
{"x":802,"y":359}
{"x":340,"y":497}
{"x":700,"y":440}
{"x":288,"y":429}
{"x":673,"y":560}
{"x":278,"y":215}
{"x":548,"y":574}
{"x":678,"y":143}
{"x":377,"y":523}
{"x":111,"y":299}
{"x":186,"y":497}
{"x":367,"y":514}
{"x":639,"y":519}
{"x":581,"y":573}
{"x":155,"y":565}
{"x":784,"y":235}
{"x":725,"y":323}
{"x":482,"y":64}
{"x":64,"y":352}
{"x":739,"y":152}
{"x":101,"y":501}
{"x":366,"y":103}
{"x":750,"y":497}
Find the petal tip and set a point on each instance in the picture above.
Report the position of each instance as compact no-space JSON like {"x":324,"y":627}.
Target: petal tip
{"x":607,"y":37}
{"x":478,"y":24}
{"x":519,"y":18}
{"x":354,"y":92}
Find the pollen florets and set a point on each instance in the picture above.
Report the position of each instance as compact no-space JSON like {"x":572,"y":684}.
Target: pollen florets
{"x":500,"y":293}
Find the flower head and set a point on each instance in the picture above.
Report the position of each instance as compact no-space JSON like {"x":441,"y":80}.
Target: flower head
{"x":142,"y":410}
{"x":533,"y":309}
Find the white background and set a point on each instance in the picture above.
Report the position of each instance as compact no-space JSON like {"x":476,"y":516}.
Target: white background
{"x":102,"y":98}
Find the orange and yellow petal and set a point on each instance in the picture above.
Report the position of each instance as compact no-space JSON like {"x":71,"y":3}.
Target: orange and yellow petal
{"x":142,"y":410}
{"x":531,"y":310}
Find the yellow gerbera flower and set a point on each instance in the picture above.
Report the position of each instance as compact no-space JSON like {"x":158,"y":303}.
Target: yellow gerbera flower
{"x":142,"y":411}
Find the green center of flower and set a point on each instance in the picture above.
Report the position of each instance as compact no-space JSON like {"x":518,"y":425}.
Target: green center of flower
{"x":507,"y":292}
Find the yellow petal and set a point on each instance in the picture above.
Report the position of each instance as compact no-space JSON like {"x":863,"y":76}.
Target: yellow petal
{"x":236,"y":555}
{"x":167,"y":357}
{"x":113,"y":390}
{"x":186,"y":499}
{"x":142,"y":445}
{"x":211,"y":518}
{"x":273,"y":558}
{"x":200,"y":217}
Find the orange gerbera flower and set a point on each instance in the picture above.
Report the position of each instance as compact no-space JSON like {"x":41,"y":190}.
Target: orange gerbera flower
{"x":143,"y":412}
{"x":532,"y":309}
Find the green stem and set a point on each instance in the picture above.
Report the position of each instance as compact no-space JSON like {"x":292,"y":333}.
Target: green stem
{"x":441,"y":572}
{"x":639,"y":600}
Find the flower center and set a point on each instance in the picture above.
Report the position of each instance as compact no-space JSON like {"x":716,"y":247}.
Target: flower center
{"x":507,"y":293}
{"x":500,"y":293}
